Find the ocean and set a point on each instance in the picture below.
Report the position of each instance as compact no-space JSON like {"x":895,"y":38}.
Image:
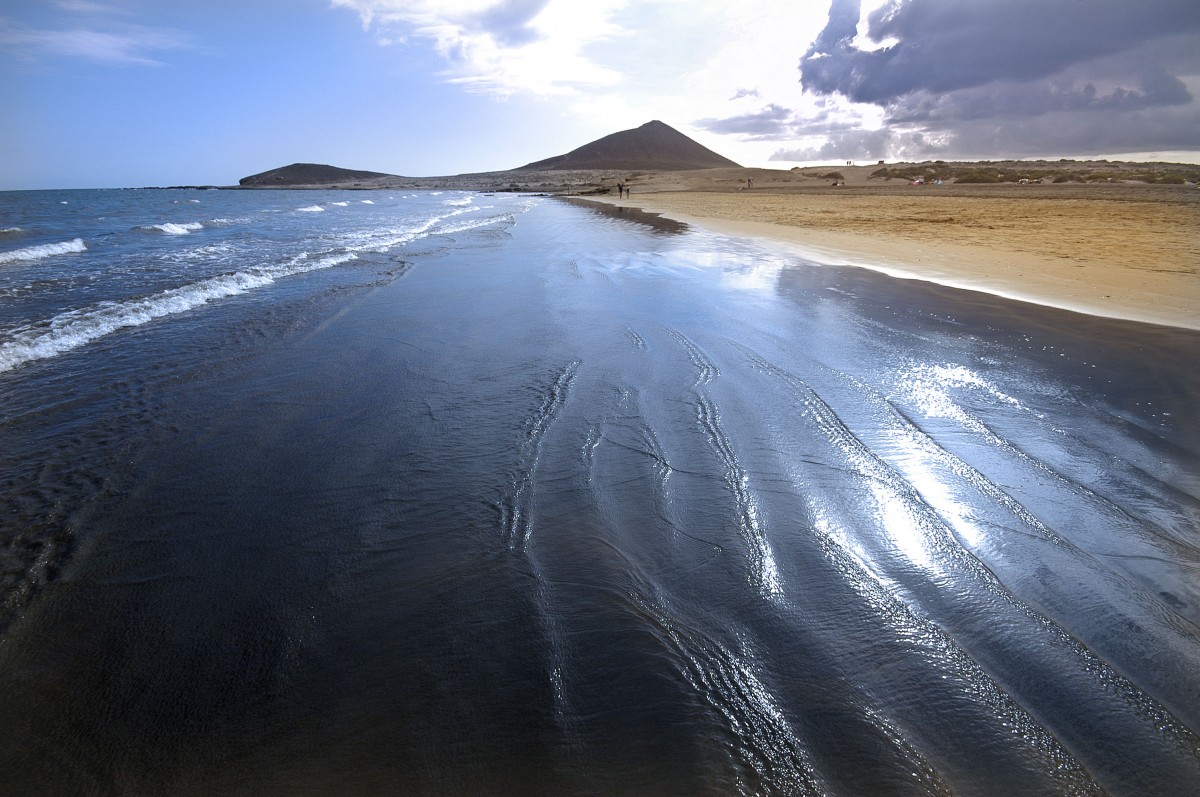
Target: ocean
{"x":456,"y":493}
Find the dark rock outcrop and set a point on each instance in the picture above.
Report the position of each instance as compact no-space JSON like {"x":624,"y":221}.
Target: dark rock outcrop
{"x":306,"y":174}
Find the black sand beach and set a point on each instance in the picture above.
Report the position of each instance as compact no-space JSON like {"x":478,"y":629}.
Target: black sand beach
{"x":583,"y":501}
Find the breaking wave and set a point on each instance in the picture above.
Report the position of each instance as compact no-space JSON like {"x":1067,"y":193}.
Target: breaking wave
{"x":311,"y":209}
{"x":44,"y":250}
{"x":171,"y":228}
{"x":73,"y":329}
{"x":471,"y":224}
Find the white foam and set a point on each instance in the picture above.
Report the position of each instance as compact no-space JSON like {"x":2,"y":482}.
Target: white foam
{"x":472,"y":224}
{"x":301,"y":264}
{"x":10,"y":230}
{"x":171,"y":228}
{"x":44,"y":250}
{"x":458,"y":202}
{"x":340,"y":204}
{"x":197,"y":201}
{"x":367,"y":201}
{"x":206,"y":254}
{"x":383,"y":240}
{"x":311,"y":209}
{"x":75,"y":328}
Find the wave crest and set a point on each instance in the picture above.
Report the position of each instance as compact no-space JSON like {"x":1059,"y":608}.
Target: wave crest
{"x":75,"y":328}
{"x":171,"y":228}
{"x":44,"y":250}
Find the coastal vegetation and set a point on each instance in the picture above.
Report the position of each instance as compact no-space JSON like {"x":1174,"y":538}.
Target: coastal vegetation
{"x":1063,"y":171}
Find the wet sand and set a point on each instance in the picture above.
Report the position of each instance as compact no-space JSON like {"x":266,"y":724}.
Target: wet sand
{"x":1121,"y":250}
{"x":538,"y":500}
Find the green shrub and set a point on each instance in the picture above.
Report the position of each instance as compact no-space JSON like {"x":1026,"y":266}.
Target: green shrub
{"x":977,"y":176}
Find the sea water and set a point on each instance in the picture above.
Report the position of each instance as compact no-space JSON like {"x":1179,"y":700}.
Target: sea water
{"x":431,"y":493}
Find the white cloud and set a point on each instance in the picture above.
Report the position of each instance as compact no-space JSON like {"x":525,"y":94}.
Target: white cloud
{"x":88,"y":7}
{"x":663,"y":47}
{"x":88,"y":30}
{"x":740,"y":93}
{"x":533,"y":46}
{"x":690,"y":63}
{"x":128,"y":45}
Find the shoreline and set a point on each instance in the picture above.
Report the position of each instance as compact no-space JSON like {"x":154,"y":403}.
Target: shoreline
{"x":1073,"y":254}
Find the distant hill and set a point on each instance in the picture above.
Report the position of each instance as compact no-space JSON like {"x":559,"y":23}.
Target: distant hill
{"x":307,"y":174}
{"x":652,"y":147}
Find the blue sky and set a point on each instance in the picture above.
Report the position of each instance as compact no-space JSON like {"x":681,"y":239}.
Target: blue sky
{"x":113,"y":93}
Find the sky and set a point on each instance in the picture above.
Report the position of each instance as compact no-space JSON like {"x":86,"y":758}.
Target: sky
{"x":120,"y":93}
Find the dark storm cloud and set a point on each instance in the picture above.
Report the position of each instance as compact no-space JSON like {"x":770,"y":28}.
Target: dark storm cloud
{"x":945,"y":45}
{"x":1055,"y":134}
{"x":776,"y":123}
{"x":1013,"y":76}
{"x":771,"y":122}
{"x":1147,"y":85}
{"x":1078,"y":133}
{"x":844,"y":145}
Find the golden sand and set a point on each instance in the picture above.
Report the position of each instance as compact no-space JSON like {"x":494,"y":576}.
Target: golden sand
{"x":1120,"y":251}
